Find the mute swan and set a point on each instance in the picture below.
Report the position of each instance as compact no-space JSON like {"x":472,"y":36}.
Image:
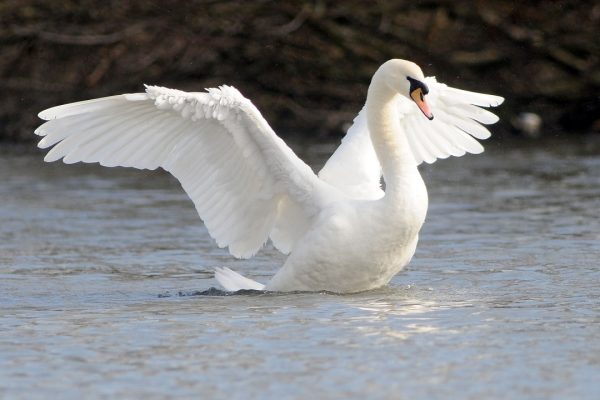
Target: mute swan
{"x":342,"y":232}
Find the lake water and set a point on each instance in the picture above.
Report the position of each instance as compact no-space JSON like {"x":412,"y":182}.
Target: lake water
{"x":101,"y":269}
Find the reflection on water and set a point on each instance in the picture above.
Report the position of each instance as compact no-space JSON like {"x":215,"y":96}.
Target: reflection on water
{"x":104,"y":276}
{"x":413,"y":314}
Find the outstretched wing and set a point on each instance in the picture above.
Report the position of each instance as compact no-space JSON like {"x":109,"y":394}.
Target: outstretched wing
{"x":354,"y":167}
{"x":458,"y":121}
{"x":229,"y":161}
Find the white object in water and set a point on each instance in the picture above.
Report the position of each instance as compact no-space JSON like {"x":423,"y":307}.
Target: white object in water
{"x":528,"y":123}
{"x":341,"y":231}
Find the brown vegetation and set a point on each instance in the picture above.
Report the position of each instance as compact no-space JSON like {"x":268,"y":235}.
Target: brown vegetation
{"x":305,"y":64}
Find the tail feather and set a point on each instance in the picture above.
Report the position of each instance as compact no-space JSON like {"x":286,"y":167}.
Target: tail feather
{"x":232,"y":281}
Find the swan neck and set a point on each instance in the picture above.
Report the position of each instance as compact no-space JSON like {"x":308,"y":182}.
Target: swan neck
{"x":389,"y":140}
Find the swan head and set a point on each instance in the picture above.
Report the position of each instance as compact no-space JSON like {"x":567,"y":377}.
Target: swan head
{"x":406,"y":78}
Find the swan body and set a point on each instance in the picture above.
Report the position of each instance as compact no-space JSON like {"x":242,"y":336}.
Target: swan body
{"x":342,"y":232}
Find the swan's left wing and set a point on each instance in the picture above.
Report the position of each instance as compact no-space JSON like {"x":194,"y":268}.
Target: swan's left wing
{"x":458,"y":121}
{"x":354,"y":168}
{"x":237,"y":171}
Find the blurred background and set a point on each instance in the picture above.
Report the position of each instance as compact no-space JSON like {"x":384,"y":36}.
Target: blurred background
{"x":305,"y":64}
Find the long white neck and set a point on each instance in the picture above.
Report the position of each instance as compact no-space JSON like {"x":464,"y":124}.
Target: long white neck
{"x":390,"y":143}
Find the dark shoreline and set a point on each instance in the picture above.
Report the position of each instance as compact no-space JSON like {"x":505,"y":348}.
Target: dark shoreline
{"x":306,"y":65}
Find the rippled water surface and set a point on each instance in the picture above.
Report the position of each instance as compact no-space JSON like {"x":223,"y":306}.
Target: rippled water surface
{"x":100,"y":271}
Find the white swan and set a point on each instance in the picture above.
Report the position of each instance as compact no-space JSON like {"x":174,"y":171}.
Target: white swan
{"x":342,"y":232}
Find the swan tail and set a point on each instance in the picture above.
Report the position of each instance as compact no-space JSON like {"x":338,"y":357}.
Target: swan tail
{"x":232,"y":281}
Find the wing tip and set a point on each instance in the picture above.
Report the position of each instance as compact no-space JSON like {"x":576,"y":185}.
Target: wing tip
{"x":39,"y":131}
{"x":52,"y":157}
{"x":479,"y":150}
{"x":492,"y":120}
{"x":87,"y":106}
{"x":497,"y":100}
{"x":47,"y":115}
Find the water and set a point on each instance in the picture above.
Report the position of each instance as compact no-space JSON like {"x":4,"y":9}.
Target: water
{"x":99,"y":267}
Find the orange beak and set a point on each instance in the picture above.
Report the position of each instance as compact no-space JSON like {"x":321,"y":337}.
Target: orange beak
{"x":419,"y":99}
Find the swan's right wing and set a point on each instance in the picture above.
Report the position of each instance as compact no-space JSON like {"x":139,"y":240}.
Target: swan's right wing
{"x":458,"y":121}
{"x":236,"y":170}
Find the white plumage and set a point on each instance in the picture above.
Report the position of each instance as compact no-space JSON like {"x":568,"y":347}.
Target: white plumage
{"x":343,"y":233}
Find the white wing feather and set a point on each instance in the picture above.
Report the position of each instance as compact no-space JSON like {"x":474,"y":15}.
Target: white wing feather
{"x":354,"y":167}
{"x":457,"y":122}
{"x":229,"y":161}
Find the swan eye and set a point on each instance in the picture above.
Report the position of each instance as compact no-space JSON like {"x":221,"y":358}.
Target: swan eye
{"x":417,"y":84}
